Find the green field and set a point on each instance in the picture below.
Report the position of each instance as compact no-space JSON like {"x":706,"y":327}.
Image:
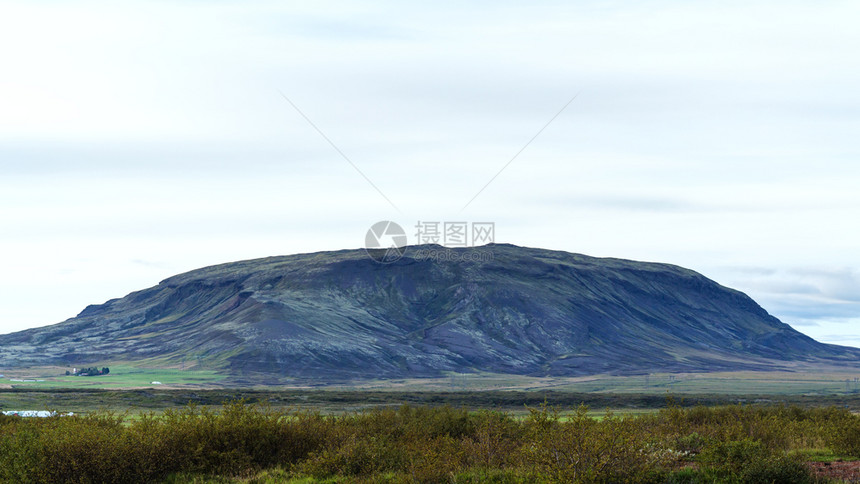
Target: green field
{"x":775,"y":383}
{"x":829,"y":381}
{"x":130,"y":389}
{"x":121,"y":376}
{"x":804,"y":381}
{"x":330,"y":401}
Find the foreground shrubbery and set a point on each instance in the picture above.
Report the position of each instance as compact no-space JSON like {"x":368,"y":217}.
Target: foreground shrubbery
{"x":428,"y":444}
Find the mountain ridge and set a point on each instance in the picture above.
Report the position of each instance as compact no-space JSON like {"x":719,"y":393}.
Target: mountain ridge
{"x":339,"y":315}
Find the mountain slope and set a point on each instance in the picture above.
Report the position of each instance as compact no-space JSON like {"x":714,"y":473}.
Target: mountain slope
{"x":498,"y":308}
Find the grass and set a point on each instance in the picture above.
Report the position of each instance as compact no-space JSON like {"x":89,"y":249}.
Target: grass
{"x":134,"y":402}
{"x":824,"y":381}
{"x":121,"y":376}
{"x":823,"y":455}
{"x":827,"y":381}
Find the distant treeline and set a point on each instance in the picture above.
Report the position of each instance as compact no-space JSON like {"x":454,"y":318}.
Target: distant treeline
{"x":428,"y":444}
{"x":500,"y":400}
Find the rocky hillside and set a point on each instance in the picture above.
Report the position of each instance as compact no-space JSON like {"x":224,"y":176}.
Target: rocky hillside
{"x":334,"y":316}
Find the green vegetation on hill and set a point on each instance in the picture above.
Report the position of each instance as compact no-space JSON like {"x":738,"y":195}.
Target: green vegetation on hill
{"x":429,"y":444}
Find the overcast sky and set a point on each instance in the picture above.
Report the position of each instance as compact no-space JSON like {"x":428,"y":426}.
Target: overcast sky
{"x":143,"y":139}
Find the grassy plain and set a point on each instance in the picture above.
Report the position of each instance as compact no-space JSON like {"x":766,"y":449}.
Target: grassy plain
{"x":130,"y":390}
{"x":330,"y":401}
{"x":803,"y":381}
{"x":827,"y":381}
{"x":121,"y":376}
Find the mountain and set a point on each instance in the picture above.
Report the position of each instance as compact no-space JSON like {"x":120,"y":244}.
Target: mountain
{"x":334,"y":316}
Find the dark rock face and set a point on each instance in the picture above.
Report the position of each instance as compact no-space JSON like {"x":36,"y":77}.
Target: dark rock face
{"x":339,"y":315}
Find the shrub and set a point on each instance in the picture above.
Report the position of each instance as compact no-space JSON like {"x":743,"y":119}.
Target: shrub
{"x":423,"y":444}
{"x":690,"y":444}
{"x":733,"y":456}
{"x":355,"y":457}
{"x":843,"y":436}
{"x":100,"y":448}
{"x":495,"y":441}
{"x":750,"y":461}
{"x":583,"y":449}
{"x":781,"y":469}
{"x":497,"y":476}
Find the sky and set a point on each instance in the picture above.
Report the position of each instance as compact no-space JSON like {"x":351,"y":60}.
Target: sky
{"x":139,"y":140}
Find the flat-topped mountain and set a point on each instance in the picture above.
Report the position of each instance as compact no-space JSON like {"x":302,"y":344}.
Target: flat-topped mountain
{"x":333,"y":316}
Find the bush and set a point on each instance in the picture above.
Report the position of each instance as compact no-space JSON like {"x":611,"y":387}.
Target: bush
{"x":782,"y":469}
{"x":355,"y":457}
{"x":750,"y":461}
{"x":497,"y":476}
{"x":100,"y":448}
{"x":843,"y":435}
{"x":583,"y":449}
{"x":495,"y":441}
{"x":690,"y":444}
{"x":733,"y":456}
{"x":424,"y":444}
